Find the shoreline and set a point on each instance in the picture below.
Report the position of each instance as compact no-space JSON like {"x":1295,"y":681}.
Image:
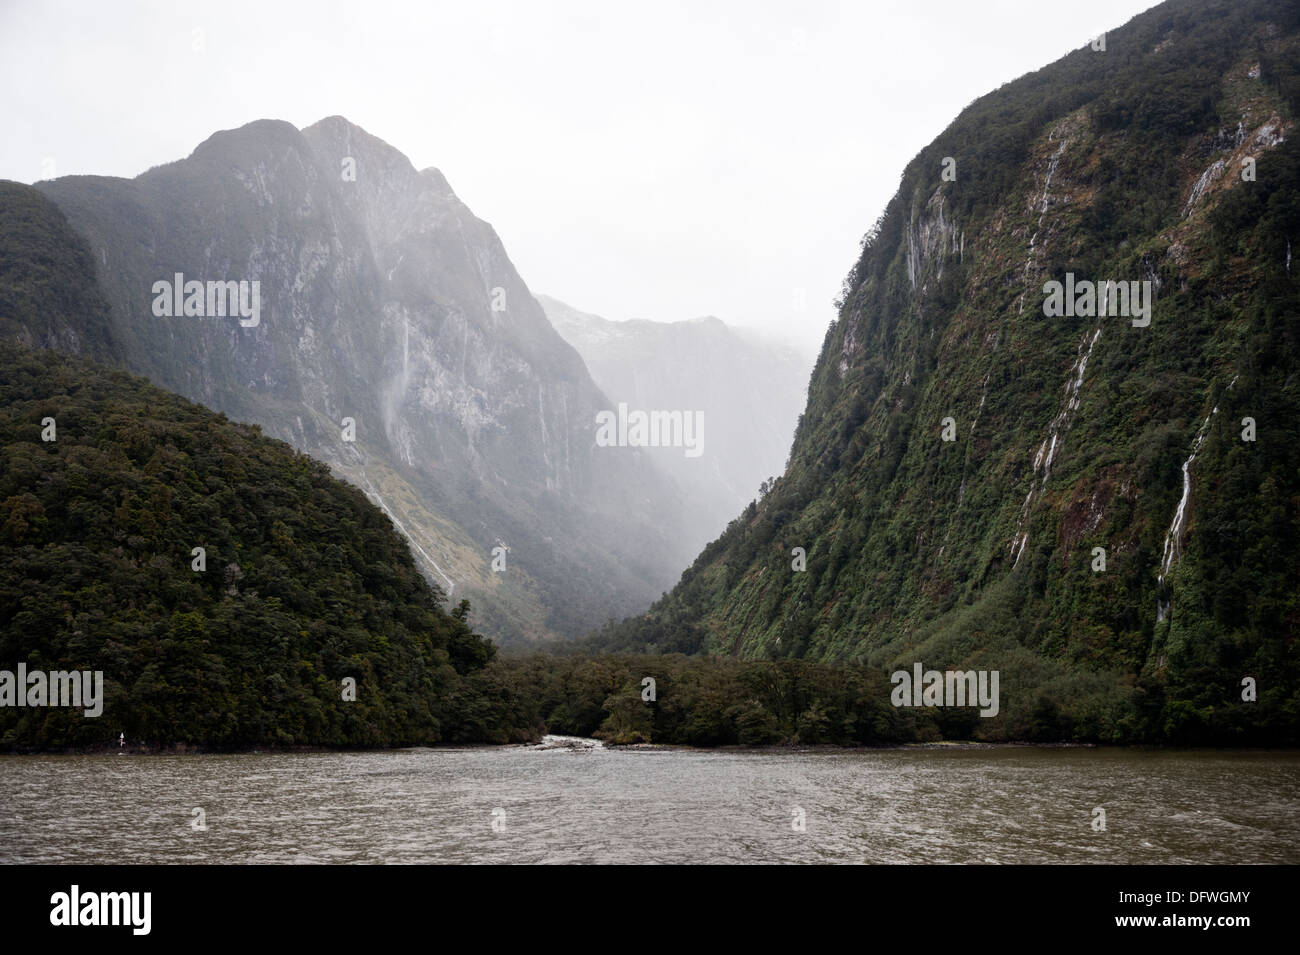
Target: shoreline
{"x":585,"y":744}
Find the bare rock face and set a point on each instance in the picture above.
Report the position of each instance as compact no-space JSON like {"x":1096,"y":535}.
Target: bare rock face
{"x":385,"y":301}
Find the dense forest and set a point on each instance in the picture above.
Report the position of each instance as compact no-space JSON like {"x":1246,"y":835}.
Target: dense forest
{"x":713,"y":701}
{"x":302,"y":581}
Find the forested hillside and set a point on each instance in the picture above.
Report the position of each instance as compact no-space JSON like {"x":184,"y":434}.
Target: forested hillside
{"x":977,"y":483}
{"x":301,"y":582}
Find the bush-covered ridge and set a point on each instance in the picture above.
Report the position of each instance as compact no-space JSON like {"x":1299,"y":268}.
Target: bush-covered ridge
{"x":306,"y":582}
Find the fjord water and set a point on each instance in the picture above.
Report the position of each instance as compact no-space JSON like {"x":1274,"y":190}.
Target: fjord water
{"x":578,"y":802}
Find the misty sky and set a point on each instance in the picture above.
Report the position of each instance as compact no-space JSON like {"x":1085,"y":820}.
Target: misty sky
{"x":655,"y":160}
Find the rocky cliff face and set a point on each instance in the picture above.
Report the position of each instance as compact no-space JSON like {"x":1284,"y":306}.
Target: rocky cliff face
{"x":749,"y":390}
{"x":1086,"y":501}
{"x":397,"y":342}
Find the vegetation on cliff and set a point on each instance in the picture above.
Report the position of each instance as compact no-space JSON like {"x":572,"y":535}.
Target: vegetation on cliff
{"x":963,"y":456}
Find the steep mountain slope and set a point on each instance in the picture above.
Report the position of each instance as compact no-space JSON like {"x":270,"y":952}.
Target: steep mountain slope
{"x":385,"y":301}
{"x":1068,"y":433}
{"x":48,"y":294}
{"x":749,"y":390}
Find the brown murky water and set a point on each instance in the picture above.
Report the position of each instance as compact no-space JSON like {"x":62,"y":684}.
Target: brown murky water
{"x":655,"y":805}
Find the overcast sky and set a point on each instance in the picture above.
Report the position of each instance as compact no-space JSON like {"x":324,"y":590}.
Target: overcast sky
{"x":655,"y":160}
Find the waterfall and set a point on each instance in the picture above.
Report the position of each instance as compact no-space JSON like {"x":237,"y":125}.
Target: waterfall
{"x":1047,"y":450}
{"x":1043,"y":203}
{"x":1173,"y":538}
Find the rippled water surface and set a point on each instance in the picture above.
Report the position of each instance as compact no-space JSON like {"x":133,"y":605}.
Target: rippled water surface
{"x":655,"y":805}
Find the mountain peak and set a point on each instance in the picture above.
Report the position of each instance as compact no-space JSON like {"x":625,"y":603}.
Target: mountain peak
{"x":339,"y":138}
{"x":240,"y":141}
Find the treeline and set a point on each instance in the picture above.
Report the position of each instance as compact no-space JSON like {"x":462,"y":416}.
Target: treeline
{"x":703,"y":701}
{"x":721,"y":701}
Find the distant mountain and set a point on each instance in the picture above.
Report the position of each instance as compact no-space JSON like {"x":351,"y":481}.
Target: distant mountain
{"x":750,"y":391}
{"x":387,"y":314}
{"x":1101,"y":503}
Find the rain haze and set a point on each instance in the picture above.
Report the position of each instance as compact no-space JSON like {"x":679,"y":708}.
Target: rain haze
{"x":661,"y":162}
{"x":428,"y":436}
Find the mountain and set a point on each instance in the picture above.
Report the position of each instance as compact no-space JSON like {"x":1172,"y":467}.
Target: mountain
{"x":1105,"y":508}
{"x":393,"y":339}
{"x":749,"y":391}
